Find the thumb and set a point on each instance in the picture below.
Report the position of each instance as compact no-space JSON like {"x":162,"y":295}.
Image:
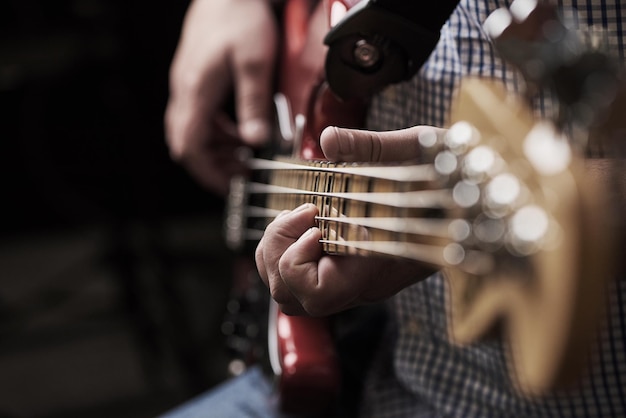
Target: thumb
{"x":339,"y":144}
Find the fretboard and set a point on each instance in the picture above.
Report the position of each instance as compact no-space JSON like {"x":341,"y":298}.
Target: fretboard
{"x":400,"y":210}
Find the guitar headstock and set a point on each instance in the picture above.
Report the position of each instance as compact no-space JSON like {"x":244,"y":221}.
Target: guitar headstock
{"x":546,"y":221}
{"x":542,"y":220}
{"x":555,"y":52}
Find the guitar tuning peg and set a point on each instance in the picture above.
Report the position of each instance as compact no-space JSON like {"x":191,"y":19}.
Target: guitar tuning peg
{"x":522,"y":9}
{"x":461,"y":136}
{"x":497,"y":22}
{"x":524,"y":20}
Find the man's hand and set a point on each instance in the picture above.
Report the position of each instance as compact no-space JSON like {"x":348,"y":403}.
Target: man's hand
{"x":224,"y":44}
{"x":305,"y":281}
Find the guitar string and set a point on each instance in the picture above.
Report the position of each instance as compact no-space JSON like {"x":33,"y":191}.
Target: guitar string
{"x":470,"y":261}
{"x":402,"y":173}
{"x":417,"y":226}
{"x":411,"y":225}
{"x":421,"y":199}
{"x":404,"y":200}
{"x":441,"y":198}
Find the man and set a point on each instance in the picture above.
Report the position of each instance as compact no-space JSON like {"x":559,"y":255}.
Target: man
{"x":417,"y":372}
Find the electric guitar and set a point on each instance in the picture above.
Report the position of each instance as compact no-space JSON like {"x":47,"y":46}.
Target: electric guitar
{"x":502,"y":205}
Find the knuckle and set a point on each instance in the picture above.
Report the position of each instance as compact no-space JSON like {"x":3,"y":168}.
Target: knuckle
{"x":258,"y":259}
{"x":184,"y":80}
{"x":292,"y":310}
{"x":348,"y":144}
{"x":254,"y":65}
{"x":279,"y":229}
{"x":375,"y":146}
{"x":270,"y":229}
{"x":179,"y":148}
{"x":280,"y":295}
{"x":315,"y":307}
{"x":286,"y":268}
{"x":275,"y":294}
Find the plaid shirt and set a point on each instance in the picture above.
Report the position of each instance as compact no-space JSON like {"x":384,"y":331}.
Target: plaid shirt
{"x":419,"y":373}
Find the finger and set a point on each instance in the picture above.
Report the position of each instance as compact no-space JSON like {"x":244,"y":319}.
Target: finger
{"x":192,"y":139}
{"x":207,"y":150}
{"x":259,"y":253}
{"x":339,"y":144}
{"x":214,"y":170}
{"x":299,"y":272}
{"x":287,"y":302}
{"x":323,"y":285}
{"x":199,"y":78}
{"x":254,"y":67}
{"x":185,"y":129}
{"x":279,"y":236}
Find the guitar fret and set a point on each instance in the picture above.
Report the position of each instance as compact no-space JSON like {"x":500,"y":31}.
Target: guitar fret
{"x":333,"y":205}
{"x":323,"y":200}
{"x":344,"y":204}
{"x":316,"y":186}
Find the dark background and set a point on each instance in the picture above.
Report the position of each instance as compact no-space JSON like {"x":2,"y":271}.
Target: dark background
{"x":113,"y":272}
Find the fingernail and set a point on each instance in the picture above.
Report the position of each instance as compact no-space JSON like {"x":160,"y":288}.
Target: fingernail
{"x":309,"y":231}
{"x":255,"y":131}
{"x":300,"y":208}
{"x":303,"y":207}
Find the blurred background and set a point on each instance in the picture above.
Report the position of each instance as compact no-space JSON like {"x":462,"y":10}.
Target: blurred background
{"x":113,"y":273}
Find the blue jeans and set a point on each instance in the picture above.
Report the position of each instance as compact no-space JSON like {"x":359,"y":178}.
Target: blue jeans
{"x":250,"y":395}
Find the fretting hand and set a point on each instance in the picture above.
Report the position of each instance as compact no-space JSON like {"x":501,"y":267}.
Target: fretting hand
{"x":304,"y":280}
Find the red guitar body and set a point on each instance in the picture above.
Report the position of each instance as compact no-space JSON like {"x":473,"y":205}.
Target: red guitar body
{"x":308,"y":375}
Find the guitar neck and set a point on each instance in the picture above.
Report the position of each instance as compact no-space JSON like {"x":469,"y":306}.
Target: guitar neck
{"x":363,"y":209}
